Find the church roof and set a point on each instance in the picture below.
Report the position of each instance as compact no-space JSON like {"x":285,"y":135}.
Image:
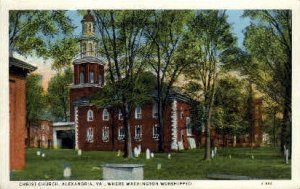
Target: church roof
{"x":88,"y":17}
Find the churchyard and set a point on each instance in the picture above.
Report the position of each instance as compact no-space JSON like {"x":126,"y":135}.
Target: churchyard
{"x":257,"y":163}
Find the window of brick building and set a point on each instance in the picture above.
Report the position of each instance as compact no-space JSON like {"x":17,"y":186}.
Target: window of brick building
{"x":105,"y":115}
{"x":138,"y":132}
{"x":156,"y":131}
{"x":138,"y":112}
{"x":90,"y":135}
{"x":91,"y":76}
{"x":105,"y":134}
{"x":188,"y":126}
{"x":90,"y":115}
{"x":121,"y":133}
{"x":155,"y":110}
{"x":120,"y":115}
{"x":81,"y":77}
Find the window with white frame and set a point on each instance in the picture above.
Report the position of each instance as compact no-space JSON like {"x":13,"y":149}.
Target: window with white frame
{"x":120,"y":115}
{"x":155,"y":110}
{"x":105,"y":134}
{"x":156,"y":131}
{"x":90,"y":135}
{"x":138,"y":112}
{"x":138,"y":132}
{"x":105,"y":115}
{"x":188,"y":126}
{"x":121,"y":133}
{"x":90,"y":115}
{"x":81,"y":77}
{"x":91,"y":76}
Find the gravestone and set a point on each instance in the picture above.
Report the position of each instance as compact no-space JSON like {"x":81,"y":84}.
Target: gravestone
{"x":229,"y":156}
{"x":287,"y":156}
{"x":152,"y":155}
{"x":79,"y":152}
{"x":158,"y":166}
{"x":139,"y":149}
{"x":135,"y":152}
{"x":212,"y":154}
{"x":169,"y":156}
{"x":192,"y":143}
{"x":119,"y":153}
{"x":67,"y":171}
{"x":43,"y":155}
{"x":123,"y":172}
{"x":252,"y":156}
{"x":147,"y":154}
{"x":180,"y":145}
{"x":215,"y":149}
{"x":38,"y":153}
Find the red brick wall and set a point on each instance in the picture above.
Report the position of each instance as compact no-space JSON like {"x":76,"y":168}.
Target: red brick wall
{"x":37,"y":132}
{"x":17,"y":121}
{"x":147,"y":122}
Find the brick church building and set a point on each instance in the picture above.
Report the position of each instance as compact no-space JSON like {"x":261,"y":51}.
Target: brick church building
{"x":101,"y":128}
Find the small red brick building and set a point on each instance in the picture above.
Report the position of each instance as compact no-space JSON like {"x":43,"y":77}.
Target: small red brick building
{"x":40,"y":134}
{"x":18,"y":71}
{"x":102,"y":128}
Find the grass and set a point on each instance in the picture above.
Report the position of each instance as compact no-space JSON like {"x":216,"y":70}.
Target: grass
{"x":187,"y":165}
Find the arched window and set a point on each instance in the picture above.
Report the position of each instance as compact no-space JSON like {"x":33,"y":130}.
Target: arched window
{"x":188,"y":126}
{"x":91,"y":76}
{"x":138,"y":132}
{"x":81,"y":77}
{"x":156,"y":131}
{"x":105,"y":115}
{"x":90,"y":135}
{"x":90,"y":115}
{"x":90,"y":48}
{"x":138,"y":112}
{"x":84,"y":49}
{"x":121,"y":133}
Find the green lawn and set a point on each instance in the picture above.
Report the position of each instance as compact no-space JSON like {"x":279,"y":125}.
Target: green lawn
{"x":267,"y":164}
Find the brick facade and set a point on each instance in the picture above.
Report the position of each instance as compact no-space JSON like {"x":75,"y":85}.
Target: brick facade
{"x":17,"y":111}
{"x":41,"y":134}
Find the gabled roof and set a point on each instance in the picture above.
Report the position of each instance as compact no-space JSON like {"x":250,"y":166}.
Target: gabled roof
{"x":21,"y":64}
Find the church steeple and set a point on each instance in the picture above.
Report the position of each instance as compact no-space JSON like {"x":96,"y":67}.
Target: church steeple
{"x":89,"y":42}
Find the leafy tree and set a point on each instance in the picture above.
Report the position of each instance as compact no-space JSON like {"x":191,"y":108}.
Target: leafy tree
{"x":123,"y":48}
{"x":46,"y":34}
{"x":164,"y":33}
{"x":209,"y":45}
{"x":268,"y":42}
{"x":230,"y":107}
{"x":35,"y":100}
{"x":58,"y":94}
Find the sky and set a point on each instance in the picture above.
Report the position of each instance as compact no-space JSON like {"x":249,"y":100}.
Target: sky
{"x":44,"y":67}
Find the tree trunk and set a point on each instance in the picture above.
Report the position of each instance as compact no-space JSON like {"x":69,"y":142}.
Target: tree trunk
{"x":127,"y":146}
{"x":161,"y":127}
{"x":207,"y":155}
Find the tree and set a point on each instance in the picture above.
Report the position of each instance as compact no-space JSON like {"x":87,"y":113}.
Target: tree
{"x":164,"y":33}
{"x":230,"y":107}
{"x":210,"y":44}
{"x":58,"y":94}
{"x":35,"y":101}
{"x":46,"y":34}
{"x":123,"y":48}
{"x":268,"y":42}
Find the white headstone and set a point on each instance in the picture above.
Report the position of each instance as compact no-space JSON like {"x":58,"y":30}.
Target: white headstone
{"x":152,"y":155}
{"x":229,"y":156}
{"x":135,"y":152}
{"x":192,"y":143}
{"x":119,"y":153}
{"x":38,"y":153}
{"x":139,"y":149}
{"x":215,"y":149}
{"x":79,"y":152}
{"x":287,"y":156}
{"x":158,"y":166}
{"x":252,"y":156}
{"x":67,"y":172}
{"x":43,"y":155}
{"x":147,"y":154}
{"x":169,"y":156}
{"x":212,"y":154}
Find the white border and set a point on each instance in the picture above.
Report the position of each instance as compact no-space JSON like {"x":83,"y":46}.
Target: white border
{"x":6,"y":5}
